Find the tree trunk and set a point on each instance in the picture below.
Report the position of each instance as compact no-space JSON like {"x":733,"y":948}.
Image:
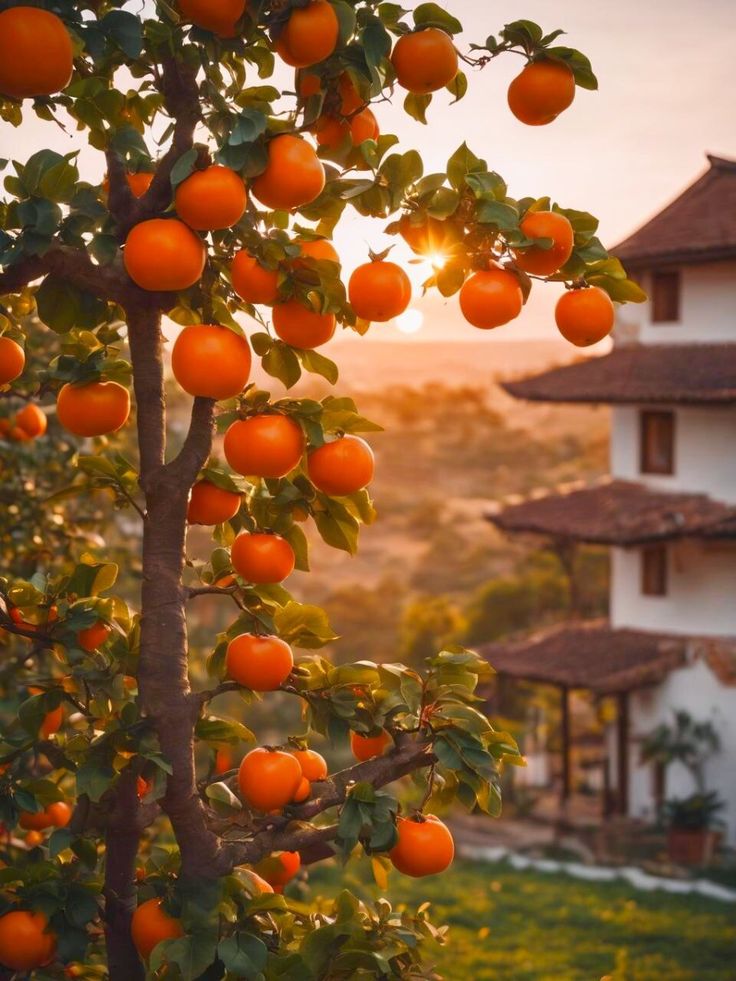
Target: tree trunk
{"x":163,"y":667}
{"x":121,"y":847}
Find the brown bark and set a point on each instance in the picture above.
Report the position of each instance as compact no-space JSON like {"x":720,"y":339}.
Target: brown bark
{"x":122,"y":838}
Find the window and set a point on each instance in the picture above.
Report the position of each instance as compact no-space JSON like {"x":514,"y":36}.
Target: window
{"x":654,"y":571}
{"x":657,"y":442}
{"x":665,"y":297}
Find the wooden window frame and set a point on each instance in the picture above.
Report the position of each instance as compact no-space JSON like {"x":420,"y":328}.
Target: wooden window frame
{"x":649,"y":461}
{"x":666,"y":296}
{"x":654,"y":570}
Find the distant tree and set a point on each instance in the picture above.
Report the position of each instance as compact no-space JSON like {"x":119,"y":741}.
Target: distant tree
{"x":429,"y":623}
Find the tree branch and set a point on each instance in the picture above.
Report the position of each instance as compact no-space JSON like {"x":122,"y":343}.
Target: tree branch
{"x":197,"y":445}
{"x":279,"y":834}
{"x":178,"y":85}
{"x":120,"y":198}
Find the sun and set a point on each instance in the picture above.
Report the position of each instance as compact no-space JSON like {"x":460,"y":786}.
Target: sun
{"x":410,"y":321}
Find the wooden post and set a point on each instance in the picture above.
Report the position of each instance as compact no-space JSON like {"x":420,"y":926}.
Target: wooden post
{"x":565,"y":737}
{"x":622,"y":733}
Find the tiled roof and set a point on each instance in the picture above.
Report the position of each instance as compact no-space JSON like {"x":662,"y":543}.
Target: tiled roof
{"x":698,"y":226}
{"x":618,"y":512}
{"x":690,"y":374}
{"x":590,"y":655}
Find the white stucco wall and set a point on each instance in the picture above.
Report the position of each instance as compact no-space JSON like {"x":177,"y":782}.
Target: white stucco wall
{"x":697,"y":690}
{"x":707,"y":309}
{"x":701,"y":597}
{"x":705,"y":450}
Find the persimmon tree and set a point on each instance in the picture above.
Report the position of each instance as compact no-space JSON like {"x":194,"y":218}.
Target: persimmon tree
{"x":213,"y":207}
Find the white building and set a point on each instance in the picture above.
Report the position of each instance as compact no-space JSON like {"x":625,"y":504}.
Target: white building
{"x":668,"y":510}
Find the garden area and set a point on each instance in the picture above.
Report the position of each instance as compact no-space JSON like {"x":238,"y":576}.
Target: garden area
{"x":508,"y":925}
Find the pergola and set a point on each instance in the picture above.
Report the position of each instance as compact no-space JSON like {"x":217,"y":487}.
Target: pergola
{"x":595,"y":657}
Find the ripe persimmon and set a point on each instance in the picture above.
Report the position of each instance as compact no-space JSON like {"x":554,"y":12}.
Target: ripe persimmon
{"x":52,"y":722}
{"x":293,"y":177}
{"x":424,"y":61}
{"x":218,"y":16}
{"x":545,"y":224}
{"x":252,"y":281}
{"x":261,"y":558}
{"x":33,"y":839}
{"x":379,"y":291}
{"x":36,"y":56}
{"x":541,"y":92}
{"x":91,"y":638}
{"x":279,"y":868}
{"x":301,"y":326}
{"x":56,"y":815}
{"x":93,"y":409}
{"x":138,"y":182}
{"x":25,"y":943}
{"x":211,"y":505}
{"x":425,"y":846}
{"x":34,"y":820}
{"x":350,"y":99}
{"x":313,"y":764}
{"x":331,"y":132}
{"x":261,"y":663}
{"x":320,"y":249}
{"x":32,"y":420}
{"x":164,"y":255}
{"x":211,"y":199}
{"x":268,"y":779}
{"x":302,"y":791}
{"x":223,"y":760}
{"x":366,"y":747}
{"x":341,"y":467}
{"x":490,"y":298}
{"x":211,"y":361}
{"x":60,"y":813}
{"x":585,"y":316}
{"x":268,"y":445}
{"x":310,"y":34}
{"x":143,"y":787}
{"x":150,"y":925}
{"x":12,"y":359}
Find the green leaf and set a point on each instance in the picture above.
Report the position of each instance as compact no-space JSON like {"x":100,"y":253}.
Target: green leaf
{"x":461,"y":163}
{"x":223,"y":799}
{"x":243,"y":954}
{"x":432,"y":15}
{"x":184,"y":167}
{"x":94,"y":778}
{"x":282,"y":362}
{"x":318,"y":364}
{"x":578,"y":64}
{"x":213,"y":729}
{"x":125,"y":30}
{"x":303,"y":625}
{"x":416,"y":105}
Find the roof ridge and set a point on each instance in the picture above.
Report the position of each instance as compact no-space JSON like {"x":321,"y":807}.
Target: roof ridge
{"x":721,"y":163}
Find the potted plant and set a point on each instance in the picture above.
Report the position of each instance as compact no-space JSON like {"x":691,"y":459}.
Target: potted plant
{"x":690,"y":821}
{"x":691,"y":837}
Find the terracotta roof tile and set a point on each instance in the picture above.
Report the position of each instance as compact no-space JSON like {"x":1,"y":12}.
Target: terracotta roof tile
{"x":690,"y":374}
{"x":698,"y":226}
{"x":590,"y":655}
{"x":618,"y":512}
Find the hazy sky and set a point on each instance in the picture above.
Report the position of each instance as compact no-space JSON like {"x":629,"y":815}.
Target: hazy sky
{"x":666,"y":98}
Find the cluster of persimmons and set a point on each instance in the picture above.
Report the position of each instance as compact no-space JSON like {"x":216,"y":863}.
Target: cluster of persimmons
{"x":168,"y":254}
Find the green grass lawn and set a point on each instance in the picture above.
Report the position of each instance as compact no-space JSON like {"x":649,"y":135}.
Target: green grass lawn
{"x":526,"y":926}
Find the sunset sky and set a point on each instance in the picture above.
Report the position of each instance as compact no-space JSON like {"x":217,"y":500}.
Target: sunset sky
{"x":665,"y":99}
